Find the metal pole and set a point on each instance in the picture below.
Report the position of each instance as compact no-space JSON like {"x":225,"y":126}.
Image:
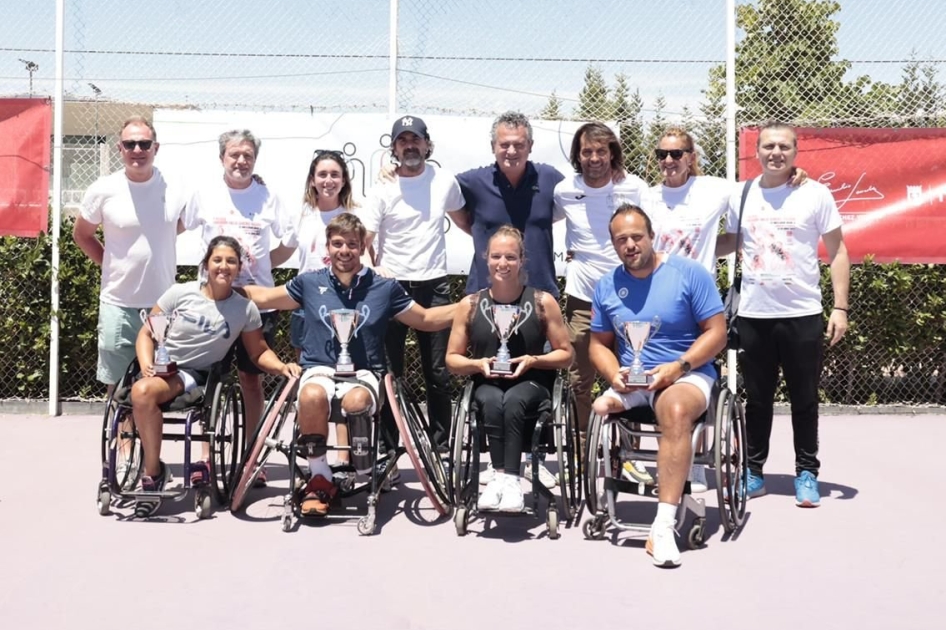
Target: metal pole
{"x":392,"y":61}
{"x":56,"y":203}
{"x":731,"y":161}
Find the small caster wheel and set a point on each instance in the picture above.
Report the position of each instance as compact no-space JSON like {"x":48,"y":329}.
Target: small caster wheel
{"x":104,"y":502}
{"x":365,"y":526}
{"x":551,"y":522}
{"x":590,"y":530}
{"x":203,"y":505}
{"x":695,"y":537}
{"x":460,"y":520}
{"x":287,"y":523}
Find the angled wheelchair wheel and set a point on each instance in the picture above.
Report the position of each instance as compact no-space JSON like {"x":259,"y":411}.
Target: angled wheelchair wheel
{"x":593,"y":463}
{"x":412,"y":425}
{"x":461,"y":454}
{"x":226,"y":437}
{"x":565,"y":414}
{"x":129,"y":459}
{"x":260,"y":446}
{"x":729,"y":453}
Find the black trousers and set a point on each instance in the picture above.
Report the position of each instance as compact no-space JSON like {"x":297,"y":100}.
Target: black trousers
{"x":504,"y":412}
{"x":795,"y":344}
{"x":433,"y":361}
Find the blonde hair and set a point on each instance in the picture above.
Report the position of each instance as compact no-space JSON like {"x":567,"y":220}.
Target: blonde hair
{"x":683,"y":135}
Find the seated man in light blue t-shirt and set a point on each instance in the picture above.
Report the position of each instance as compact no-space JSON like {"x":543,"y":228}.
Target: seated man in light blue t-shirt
{"x":692,"y":332}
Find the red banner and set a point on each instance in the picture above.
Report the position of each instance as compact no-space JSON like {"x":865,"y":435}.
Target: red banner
{"x":24,"y":166}
{"x":889,"y":184}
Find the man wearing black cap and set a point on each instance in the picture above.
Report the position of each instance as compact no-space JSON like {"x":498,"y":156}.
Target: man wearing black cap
{"x":405,"y":222}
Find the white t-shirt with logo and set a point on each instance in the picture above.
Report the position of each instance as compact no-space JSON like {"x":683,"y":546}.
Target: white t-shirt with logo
{"x":249,"y":215}
{"x":408,"y":216}
{"x":308,"y":237}
{"x":686,"y":218}
{"x":781,"y":229}
{"x":139,"y":223}
{"x":587,"y":213}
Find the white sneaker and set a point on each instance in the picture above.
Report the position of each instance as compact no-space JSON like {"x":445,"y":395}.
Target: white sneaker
{"x":491,"y":496}
{"x":546,"y":478}
{"x":512,"y":499}
{"x":697,"y":479}
{"x":487,"y":475}
{"x":662,"y":545}
{"x":127,"y":474}
{"x":636,"y":472}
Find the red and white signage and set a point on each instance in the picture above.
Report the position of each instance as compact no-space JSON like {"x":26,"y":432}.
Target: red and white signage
{"x":24,"y":166}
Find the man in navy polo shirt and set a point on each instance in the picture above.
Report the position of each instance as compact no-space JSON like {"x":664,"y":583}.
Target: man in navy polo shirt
{"x":512,"y":191}
{"x":691,"y":333}
{"x":346,"y":284}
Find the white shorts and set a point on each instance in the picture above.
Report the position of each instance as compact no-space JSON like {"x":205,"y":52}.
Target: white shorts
{"x":641,"y":397}
{"x":324,"y":377}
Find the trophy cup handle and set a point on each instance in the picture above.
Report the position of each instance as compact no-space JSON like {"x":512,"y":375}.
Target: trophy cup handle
{"x":654,"y":326}
{"x":143,"y":313}
{"x":364,"y":314}
{"x":324,"y":316}
{"x":484,"y":308}
{"x":525,"y":311}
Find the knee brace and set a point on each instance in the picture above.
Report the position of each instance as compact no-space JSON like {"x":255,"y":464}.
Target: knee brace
{"x":312,"y":445}
{"x":359,"y":431}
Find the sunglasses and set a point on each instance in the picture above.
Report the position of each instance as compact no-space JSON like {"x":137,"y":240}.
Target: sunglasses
{"x":676,"y":154}
{"x":323,"y":152}
{"x":144,"y":144}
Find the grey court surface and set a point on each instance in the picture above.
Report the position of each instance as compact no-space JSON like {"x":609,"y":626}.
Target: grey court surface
{"x":872,"y":556}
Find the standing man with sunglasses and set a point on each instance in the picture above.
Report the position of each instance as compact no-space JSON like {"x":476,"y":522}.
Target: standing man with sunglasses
{"x":241,"y":206}
{"x":406,"y":219}
{"x":140,"y":217}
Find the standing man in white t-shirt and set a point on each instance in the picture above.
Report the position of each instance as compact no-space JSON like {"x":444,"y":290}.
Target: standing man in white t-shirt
{"x":239,"y":205}
{"x":139,"y":216}
{"x":781,"y":314}
{"x":406,"y":221}
{"x":587,"y":202}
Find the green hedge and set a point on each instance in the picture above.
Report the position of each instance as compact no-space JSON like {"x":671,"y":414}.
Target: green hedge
{"x":895,"y":351}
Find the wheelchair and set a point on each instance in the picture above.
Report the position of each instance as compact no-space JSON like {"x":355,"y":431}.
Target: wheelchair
{"x":212,"y":413}
{"x":604,"y":455}
{"x":555,"y":431}
{"x":412,"y":426}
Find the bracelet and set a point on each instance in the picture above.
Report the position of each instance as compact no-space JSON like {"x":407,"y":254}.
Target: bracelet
{"x":838,"y":308}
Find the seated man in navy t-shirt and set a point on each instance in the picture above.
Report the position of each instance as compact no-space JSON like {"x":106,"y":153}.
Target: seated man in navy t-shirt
{"x":692,"y":332}
{"x":346,"y":284}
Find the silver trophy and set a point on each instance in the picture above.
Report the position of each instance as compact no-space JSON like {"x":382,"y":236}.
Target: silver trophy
{"x":637,"y":334}
{"x":159,"y":324}
{"x":344,"y":324}
{"x":505,"y":320}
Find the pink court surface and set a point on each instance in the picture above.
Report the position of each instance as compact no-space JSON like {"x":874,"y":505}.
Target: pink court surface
{"x":872,"y":556}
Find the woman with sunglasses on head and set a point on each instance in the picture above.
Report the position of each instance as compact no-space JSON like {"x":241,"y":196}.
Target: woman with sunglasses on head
{"x":209,"y":318}
{"x":328,"y":193}
{"x":686,"y":208}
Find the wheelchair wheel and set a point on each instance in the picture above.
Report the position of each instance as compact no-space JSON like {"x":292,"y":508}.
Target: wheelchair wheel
{"x":729,"y":452}
{"x":124,"y":454}
{"x":258,"y":451}
{"x":112,"y":405}
{"x":226,"y":437}
{"x":461,"y":455}
{"x":412,"y":425}
{"x":565,"y":413}
{"x":592,"y":463}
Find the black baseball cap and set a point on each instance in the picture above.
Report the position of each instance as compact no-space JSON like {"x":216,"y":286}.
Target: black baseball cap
{"x":409,"y":123}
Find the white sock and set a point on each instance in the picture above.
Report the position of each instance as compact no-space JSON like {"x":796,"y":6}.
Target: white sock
{"x":666,"y":513}
{"x":319,"y":466}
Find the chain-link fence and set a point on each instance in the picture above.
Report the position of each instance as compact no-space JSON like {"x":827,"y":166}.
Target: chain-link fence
{"x":640,"y":65}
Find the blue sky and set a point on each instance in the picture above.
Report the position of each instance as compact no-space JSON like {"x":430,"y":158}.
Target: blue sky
{"x":332,"y":56}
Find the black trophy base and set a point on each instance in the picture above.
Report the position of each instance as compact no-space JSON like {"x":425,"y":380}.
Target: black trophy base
{"x":638,"y":380}
{"x":501,"y":367}
{"x":165,"y":369}
{"x":345,"y":369}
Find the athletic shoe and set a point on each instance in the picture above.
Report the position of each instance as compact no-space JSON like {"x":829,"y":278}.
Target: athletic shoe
{"x":546,"y":478}
{"x":635,"y":471}
{"x":662,"y":545}
{"x":392,"y":479}
{"x":512,"y":499}
{"x":806,"y":490}
{"x":147,"y":506}
{"x":317,"y":496}
{"x":697,"y":479}
{"x":487,"y":475}
{"x":126,"y":474}
{"x":755,"y":486}
{"x":492,"y":495}
{"x":344,"y":480}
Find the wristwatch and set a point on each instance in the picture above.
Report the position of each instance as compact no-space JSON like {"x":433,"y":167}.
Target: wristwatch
{"x":685,"y":366}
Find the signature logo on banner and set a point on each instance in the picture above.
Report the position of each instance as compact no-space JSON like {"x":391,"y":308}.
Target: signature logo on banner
{"x":844,"y":192}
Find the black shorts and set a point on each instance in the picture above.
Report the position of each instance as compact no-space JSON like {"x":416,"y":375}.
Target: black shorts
{"x":244,"y":363}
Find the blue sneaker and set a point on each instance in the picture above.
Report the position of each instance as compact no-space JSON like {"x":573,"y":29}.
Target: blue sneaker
{"x":806,"y":490}
{"x":754,"y":486}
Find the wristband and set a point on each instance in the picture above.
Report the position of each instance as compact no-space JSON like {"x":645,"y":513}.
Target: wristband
{"x":838,"y":308}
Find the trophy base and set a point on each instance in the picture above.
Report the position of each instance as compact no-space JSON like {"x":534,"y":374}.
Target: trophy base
{"x":638,"y":380}
{"x":345,"y":369}
{"x":165,"y":369}
{"x":501,"y":367}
